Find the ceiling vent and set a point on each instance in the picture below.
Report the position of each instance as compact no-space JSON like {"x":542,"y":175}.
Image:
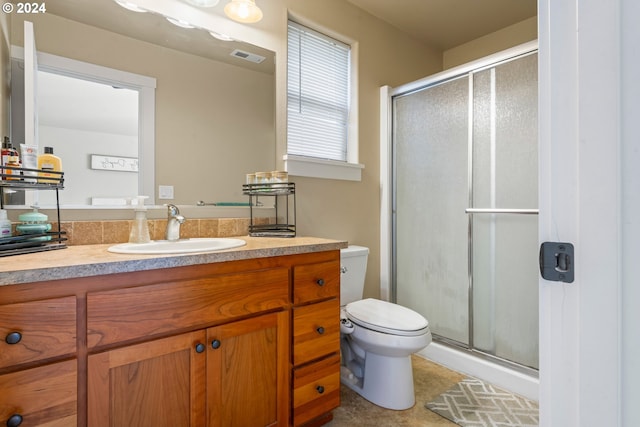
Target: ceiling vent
{"x":247,"y":56}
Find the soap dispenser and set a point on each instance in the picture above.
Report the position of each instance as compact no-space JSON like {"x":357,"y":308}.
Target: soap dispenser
{"x":140,"y":229}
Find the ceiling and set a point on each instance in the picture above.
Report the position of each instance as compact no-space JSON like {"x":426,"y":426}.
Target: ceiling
{"x":153,"y":28}
{"x":444,"y":24}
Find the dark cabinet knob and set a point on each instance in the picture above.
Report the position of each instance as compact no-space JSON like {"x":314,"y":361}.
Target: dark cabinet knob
{"x":320,"y":282}
{"x":320,"y":389}
{"x":199,"y":347}
{"x":320,"y":330}
{"x":13,"y":338}
{"x":215,"y":344}
{"x":14,"y":420}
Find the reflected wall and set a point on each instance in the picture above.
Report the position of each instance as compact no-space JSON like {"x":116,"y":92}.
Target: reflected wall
{"x":214,"y":121}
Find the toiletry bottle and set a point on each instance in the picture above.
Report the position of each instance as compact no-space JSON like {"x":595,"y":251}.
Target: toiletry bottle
{"x":140,"y":229}
{"x":49,"y":162}
{"x":12,"y":174}
{"x":5,"y":224}
{"x":8,"y":150}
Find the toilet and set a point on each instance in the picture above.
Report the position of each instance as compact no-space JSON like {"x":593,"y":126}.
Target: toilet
{"x":377,"y":338}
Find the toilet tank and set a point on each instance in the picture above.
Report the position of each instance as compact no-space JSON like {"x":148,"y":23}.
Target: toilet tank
{"x":353,"y":268}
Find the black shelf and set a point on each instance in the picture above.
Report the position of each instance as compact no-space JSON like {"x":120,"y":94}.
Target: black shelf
{"x":284,"y":195}
{"x":31,"y":179}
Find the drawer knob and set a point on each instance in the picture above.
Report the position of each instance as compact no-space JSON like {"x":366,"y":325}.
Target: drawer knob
{"x":199,"y":347}
{"x":215,"y":344}
{"x":320,"y":282}
{"x":320,"y":389}
{"x":13,"y":338}
{"x":320,"y":330}
{"x":14,"y":420}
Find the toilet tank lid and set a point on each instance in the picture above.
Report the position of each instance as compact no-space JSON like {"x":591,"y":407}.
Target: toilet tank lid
{"x":353,"y":250}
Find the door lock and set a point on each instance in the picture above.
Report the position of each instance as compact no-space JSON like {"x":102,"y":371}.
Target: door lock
{"x":557,"y":261}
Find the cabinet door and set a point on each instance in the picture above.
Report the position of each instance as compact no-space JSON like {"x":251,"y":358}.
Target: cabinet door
{"x":247,"y":373}
{"x":158,"y":383}
{"x":42,"y":396}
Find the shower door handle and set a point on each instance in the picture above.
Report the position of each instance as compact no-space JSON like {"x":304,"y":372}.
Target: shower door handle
{"x":557,"y":262}
{"x":501,"y":211}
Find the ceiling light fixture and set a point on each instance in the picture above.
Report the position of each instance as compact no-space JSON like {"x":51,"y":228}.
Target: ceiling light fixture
{"x":130,"y":6}
{"x":244,"y":11}
{"x":179,"y":22}
{"x":203,"y":3}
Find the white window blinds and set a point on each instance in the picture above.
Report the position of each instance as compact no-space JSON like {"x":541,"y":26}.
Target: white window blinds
{"x":317,"y":95}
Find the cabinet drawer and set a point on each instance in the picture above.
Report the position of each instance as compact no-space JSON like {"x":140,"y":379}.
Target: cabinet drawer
{"x":133,"y":313}
{"x":38,"y":329}
{"x":314,"y":282}
{"x":316,"y":389}
{"x":316,"y":331}
{"x":46,"y":395}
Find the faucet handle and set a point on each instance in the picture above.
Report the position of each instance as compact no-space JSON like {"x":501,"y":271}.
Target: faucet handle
{"x":173,"y":210}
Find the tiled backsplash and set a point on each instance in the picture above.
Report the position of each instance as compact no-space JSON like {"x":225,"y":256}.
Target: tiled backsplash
{"x":117,"y":231}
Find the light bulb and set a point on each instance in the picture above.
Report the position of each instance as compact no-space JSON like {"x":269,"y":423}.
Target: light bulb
{"x":244,"y":11}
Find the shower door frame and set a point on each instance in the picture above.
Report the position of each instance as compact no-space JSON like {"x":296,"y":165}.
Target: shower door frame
{"x":388,"y":202}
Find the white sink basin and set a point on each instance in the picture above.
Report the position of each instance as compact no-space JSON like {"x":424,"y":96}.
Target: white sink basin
{"x":182,"y":246}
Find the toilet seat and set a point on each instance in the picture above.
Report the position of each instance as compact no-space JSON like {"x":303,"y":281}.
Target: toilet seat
{"x":386,"y":317}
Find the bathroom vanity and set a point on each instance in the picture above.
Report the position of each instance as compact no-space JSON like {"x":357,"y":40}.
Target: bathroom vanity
{"x":248,"y":336}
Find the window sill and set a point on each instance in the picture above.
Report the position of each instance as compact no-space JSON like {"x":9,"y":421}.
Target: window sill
{"x":318,"y":168}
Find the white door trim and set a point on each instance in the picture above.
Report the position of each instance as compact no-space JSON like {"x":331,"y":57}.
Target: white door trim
{"x":580,"y":182}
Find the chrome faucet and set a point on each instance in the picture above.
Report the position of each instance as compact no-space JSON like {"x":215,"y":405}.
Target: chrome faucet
{"x":174,"y":220}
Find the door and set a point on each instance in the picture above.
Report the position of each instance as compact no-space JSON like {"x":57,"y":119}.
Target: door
{"x":503,"y":215}
{"x":465,"y":187}
{"x":159,"y":383}
{"x":247,"y":378}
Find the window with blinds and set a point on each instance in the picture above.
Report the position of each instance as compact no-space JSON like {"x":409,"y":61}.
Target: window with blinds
{"x":317,"y":94}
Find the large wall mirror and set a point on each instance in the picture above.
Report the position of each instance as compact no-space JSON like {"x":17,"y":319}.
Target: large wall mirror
{"x":214,"y":110}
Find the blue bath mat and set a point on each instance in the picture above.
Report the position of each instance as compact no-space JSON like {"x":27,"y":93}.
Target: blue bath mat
{"x":473,"y":403}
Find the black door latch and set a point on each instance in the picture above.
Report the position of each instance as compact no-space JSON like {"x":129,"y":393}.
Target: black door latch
{"x":557,"y":262}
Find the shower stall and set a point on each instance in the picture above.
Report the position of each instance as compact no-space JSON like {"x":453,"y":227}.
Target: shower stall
{"x":464,"y":195}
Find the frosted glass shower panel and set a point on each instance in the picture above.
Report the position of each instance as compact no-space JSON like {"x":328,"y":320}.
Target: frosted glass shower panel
{"x":505,"y":245}
{"x":430,"y":129}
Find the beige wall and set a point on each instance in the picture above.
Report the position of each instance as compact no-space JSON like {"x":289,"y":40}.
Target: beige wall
{"x":215,"y":122}
{"x":505,"y":38}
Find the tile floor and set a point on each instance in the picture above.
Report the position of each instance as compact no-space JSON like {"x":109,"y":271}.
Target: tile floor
{"x":430,"y":379}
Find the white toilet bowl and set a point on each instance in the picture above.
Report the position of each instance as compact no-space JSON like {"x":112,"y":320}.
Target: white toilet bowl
{"x":377,"y":338}
{"x":377,"y":343}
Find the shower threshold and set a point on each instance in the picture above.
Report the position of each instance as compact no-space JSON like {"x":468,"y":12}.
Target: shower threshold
{"x":516,"y":378}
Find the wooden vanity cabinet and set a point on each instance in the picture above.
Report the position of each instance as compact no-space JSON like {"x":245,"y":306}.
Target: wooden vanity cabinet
{"x":37,"y":386}
{"x":230,"y":374}
{"x":316,"y":342}
{"x":240,"y":343}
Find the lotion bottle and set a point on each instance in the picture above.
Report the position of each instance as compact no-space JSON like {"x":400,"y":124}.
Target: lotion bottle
{"x":49,"y":162}
{"x":140,"y":229}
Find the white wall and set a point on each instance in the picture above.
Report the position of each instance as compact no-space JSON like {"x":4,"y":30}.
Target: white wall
{"x":74,"y":148}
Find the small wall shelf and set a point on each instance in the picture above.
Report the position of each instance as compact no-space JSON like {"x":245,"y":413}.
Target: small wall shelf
{"x":31,"y":179}
{"x":284,"y":195}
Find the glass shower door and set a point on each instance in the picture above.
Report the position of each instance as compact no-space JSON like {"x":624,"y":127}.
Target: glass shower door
{"x":431,"y":194}
{"x":504,"y":197}
{"x":464,"y":208}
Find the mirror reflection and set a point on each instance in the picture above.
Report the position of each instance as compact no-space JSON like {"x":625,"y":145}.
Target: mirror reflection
{"x":214,"y":112}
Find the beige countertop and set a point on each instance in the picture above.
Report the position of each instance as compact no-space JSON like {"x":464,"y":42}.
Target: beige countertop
{"x":94,"y":260}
